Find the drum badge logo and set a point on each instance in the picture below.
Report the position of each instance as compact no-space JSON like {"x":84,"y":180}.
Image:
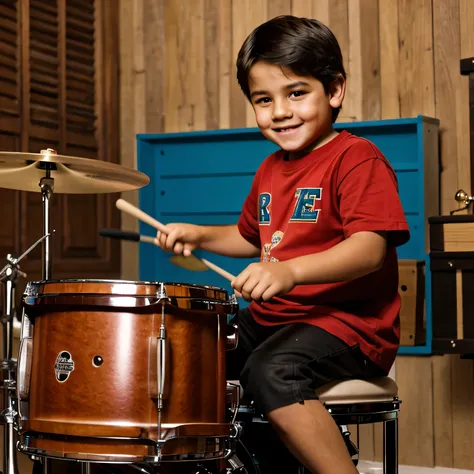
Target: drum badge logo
{"x":64,"y":366}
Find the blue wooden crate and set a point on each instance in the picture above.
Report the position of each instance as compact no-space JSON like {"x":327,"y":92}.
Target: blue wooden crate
{"x":204,"y":177}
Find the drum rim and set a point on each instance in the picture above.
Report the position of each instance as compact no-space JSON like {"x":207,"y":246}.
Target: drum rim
{"x":125,"y":282}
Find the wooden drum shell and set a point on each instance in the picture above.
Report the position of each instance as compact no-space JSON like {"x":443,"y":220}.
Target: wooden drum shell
{"x":119,"y":323}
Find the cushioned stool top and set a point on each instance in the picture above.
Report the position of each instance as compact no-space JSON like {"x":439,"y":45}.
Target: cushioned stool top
{"x":379,"y":389}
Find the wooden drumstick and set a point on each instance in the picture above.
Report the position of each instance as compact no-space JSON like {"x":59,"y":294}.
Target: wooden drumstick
{"x":139,"y":214}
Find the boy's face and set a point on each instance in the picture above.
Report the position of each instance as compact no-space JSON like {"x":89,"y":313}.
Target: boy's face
{"x":295,"y":112}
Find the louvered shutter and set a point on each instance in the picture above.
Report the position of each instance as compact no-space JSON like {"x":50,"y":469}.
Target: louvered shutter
{"x":66,"y":82}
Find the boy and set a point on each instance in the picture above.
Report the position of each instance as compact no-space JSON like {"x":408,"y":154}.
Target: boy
{"x":325,"y":217}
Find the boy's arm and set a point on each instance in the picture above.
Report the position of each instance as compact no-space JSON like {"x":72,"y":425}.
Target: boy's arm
{"x":360,"y":254}
{"x":223,"y":240}
{"x":227,"y":240}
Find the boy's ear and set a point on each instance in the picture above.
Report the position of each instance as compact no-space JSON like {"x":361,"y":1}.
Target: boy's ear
{"x":337,"y":90}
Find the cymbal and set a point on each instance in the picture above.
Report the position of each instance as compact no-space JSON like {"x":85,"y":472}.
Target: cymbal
{"x":72,"y":175}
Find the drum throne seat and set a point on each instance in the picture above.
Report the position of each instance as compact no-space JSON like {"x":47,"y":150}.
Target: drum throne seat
{"x":374,"y":400}
{"x":357,"y":402}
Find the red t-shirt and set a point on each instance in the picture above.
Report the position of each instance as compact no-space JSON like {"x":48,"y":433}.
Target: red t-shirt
{"x":308,"y":205}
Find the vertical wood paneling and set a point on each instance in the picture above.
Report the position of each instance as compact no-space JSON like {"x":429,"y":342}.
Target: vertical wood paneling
{"x":415,"y":382}
{"x":302,"y":8}
{"x":363,"y":91}
{"x":129,"y":108}
{"x":416,"y":58}
{"x":211,"y":79}
{"x":226,"y":60}
{"x":240,"y":31}
{"x":389,"y":60}
{"x":278,"y":7}
{"x":442,"y":411}
{"x":321,"y":10}
{"x":463,"y":412}
{"x":447,"y":50}
{"x":256,"y":14}
{"x":154,"y":63}
{"x":466,"y":33}
{"x":339,"y":25}
{"x":184,"y":29}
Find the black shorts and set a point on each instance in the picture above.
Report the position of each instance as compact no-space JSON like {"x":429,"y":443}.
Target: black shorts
{"x":282,"y":365}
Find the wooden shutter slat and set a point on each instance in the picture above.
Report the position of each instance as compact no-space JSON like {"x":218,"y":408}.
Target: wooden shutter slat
{"x":7,"y":26}
{"x":9,"y":106}
{"x":76,"y":85}
{"x":84,"y":5}
{"x":49,"y":51}
{"x":45,"y":100}
{"x":78,"y":139}
{"x":44,"y":116}
{"x":79,"y":13}
{"x":73,"y":66}
{"x":80,"y":76}
{"x":44,"y":32}
{"x":8,"y":12}
{"x":78,"y":36}
{"x":88,"y":107}
{"x":84,"y":97}
{"x":43,"y":20}
{"x":8,"y":89}
{"x":8,"y":62}
{"x":45,"y":7}
{"x":84,"y":26}
{"x":80,"y":46}
{"x":79,"y":57}
{"x":7,"y":49}
{"x":8,"y":37}
{"x":44,"y":79}
{"x":7,"y":71}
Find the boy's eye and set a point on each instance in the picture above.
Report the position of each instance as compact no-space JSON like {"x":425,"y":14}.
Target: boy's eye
{"x":297,"y":93}
{"x":263,"y":100}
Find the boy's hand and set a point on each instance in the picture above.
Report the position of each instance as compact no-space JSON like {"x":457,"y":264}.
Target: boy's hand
{"x":181,"y":238}
{"x":263,"y":281}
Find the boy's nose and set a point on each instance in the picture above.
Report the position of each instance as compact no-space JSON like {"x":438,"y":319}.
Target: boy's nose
{"x":281,"y":110}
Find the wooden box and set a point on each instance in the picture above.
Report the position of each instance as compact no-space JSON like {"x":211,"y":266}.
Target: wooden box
{"x":452,"y":233}
{"x":412,"y":292}
{"x":452,"y":274}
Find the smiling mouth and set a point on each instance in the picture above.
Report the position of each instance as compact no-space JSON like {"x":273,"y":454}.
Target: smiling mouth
{"x":286,"y":129}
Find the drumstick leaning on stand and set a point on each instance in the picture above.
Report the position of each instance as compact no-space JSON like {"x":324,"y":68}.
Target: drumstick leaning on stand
{"x":125,"y":206}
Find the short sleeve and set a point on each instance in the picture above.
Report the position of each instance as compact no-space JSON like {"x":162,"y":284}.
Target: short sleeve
{"x":368,"y":198}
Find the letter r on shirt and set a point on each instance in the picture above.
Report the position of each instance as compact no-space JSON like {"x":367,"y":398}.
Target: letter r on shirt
{"x":263,"y":211}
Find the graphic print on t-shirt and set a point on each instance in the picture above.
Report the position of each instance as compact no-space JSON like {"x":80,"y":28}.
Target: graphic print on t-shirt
{"x":305,"y":207}
{"x":277,"y":237}
{"x":263,"y":211}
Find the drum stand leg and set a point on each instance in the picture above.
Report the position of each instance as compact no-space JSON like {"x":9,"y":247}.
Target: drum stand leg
{"x":9,"y":275}
{"x":85,"y":468}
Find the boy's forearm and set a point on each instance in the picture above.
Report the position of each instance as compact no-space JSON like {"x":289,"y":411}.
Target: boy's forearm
{"x":355,"y":257}
{"x":227,"y":240}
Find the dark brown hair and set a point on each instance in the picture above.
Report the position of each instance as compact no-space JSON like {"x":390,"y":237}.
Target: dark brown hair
{"x":305,"y":46}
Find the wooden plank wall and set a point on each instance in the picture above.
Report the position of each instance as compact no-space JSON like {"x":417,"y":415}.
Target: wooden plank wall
{"x":402,"y":58}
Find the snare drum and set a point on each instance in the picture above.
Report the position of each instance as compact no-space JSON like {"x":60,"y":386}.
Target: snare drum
{"x":97,"y":359}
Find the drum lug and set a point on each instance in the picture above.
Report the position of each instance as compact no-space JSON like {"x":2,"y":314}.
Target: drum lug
{"x":161,"y":293}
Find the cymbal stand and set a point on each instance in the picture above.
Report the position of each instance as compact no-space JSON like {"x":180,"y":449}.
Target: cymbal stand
{"x":47,"y":187}
{"x":9,"y":276}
